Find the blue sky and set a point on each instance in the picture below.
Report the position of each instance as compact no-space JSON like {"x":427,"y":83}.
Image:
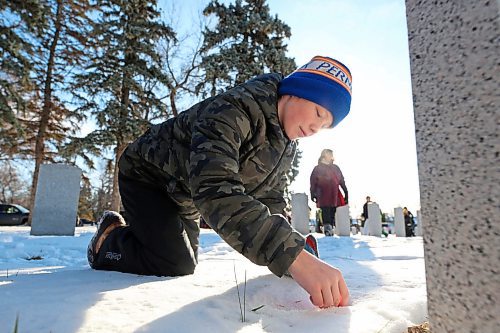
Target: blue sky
{"x":375,"y":145}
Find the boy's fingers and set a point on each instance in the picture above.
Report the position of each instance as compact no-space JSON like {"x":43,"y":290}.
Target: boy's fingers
{"x":316,"y":298}
{"x":344,"y":293}
{"x":328,"y":297}
{"x":336,"y":294}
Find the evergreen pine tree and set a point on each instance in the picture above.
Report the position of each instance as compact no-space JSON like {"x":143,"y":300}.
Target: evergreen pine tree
{"x":86,"y":205}
{"x":102,"y":196}
{"x":119,"y":86}
{"x":20,"y":21}
{"x":59,"y":50}
{"x":246,"y":41}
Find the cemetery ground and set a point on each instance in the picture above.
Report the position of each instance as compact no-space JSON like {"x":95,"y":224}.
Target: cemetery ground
{"x":46,"y":283}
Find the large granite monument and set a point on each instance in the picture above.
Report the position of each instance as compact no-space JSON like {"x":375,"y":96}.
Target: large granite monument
{"x":454,"y":56}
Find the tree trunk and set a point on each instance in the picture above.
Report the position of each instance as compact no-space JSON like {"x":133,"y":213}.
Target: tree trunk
{"x":47,"y":105}
{"x":121,"y":139}
{"x":214,"y":88}
{"x":115,"y":198}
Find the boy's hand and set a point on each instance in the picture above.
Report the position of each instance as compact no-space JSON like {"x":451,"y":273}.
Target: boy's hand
{"x":324,"y":283}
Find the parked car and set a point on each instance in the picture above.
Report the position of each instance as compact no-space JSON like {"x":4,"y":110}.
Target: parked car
{"x":82,"y":222}
{"x":11,"y":214}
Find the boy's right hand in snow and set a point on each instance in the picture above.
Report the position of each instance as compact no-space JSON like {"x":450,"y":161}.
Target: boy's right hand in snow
{"x":323,"y":282}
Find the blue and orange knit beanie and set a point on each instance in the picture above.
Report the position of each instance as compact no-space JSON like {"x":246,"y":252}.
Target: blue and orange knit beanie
{"x":324,"y":81}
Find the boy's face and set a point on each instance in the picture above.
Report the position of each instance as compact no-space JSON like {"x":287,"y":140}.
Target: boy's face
{"x":300,"y":117}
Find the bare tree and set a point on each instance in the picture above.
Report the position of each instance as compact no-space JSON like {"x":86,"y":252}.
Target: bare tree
{"x":12,"y":188}
{"x":181,"y":60}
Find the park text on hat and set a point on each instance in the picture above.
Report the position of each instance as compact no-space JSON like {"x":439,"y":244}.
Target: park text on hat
{"x":324,"y":81}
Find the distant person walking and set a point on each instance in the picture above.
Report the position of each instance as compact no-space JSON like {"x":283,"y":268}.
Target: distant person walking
{"x":364,"y":215}
{"x":409,"y":222}
{"x":326,"y":180}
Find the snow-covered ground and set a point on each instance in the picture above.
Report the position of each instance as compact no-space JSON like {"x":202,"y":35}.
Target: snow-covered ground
{"x":59,"y":293}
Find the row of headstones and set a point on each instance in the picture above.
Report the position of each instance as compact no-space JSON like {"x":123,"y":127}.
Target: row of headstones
{"x":56,"y":204}
{"x":372,"y":227}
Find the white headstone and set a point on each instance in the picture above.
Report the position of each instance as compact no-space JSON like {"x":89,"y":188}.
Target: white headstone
{"x":374,"y":220}
{"x":56,"y":200}
{"x":399,"y":222}
{"x":366,"y":228}
{"x":418,"y":228}
{"x":300,"y":213}
{"x":342,"y":221}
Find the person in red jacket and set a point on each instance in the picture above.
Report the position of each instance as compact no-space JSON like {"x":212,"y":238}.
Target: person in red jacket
{"x":326,"y":178}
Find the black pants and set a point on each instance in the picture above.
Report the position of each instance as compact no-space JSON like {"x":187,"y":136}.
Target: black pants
{"x":328,"y":215}
{"x":409,"y":230}
{"x":156,"y":241}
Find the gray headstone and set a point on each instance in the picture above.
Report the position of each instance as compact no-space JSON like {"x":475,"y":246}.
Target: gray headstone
{"x":364,"y":230}
{"x":300,"y":213}
{"x":374,"y":220}
{"x":399,"y":222}
{"x":56,"y":200}
{"x":454,"y":56}
{"x":342,"y":221}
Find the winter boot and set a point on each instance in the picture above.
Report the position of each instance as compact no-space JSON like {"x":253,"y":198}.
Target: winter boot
{"x":109,"y":221}
{"x":328,"y":230}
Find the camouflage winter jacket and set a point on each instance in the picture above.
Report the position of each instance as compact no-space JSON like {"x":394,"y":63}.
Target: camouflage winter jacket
{"x":226,"y":158}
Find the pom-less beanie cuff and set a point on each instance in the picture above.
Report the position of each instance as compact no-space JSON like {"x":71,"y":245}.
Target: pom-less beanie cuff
{"x":324,"y":81}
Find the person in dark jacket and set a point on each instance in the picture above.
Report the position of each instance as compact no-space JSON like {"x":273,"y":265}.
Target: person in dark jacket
{"x":409,"y":222}
{"x":226,"y":159}
{"x":326,"y":180}
{"x":364,"y":215}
